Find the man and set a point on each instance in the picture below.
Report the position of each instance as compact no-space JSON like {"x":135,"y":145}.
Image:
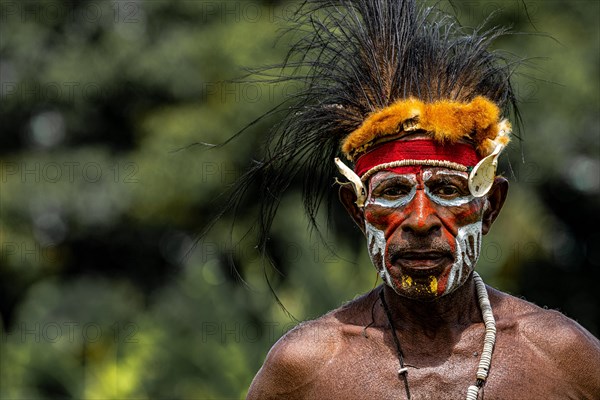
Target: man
{"x":415,"y":104}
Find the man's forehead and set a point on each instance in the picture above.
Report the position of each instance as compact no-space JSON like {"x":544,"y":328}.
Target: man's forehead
{"x":424,"y":173}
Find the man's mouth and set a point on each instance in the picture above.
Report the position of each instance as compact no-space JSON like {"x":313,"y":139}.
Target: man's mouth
{"x":422,"y":261}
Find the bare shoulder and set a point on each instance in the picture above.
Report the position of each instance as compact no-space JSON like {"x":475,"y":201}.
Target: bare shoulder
{"x":544,"y":326}
{"x":562,"y":342}
{"x":297,"y":360}
{"x":294,"y":362}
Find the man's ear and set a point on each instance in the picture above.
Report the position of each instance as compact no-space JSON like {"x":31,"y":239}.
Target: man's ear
{"x":348,"y":199}
{"x":495,"y":198}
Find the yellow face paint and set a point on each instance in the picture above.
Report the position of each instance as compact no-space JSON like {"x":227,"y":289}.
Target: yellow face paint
{"x":406,"y":281}
{"x":433,"y":284}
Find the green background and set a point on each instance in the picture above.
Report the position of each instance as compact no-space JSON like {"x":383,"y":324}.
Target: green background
{"x":103,"y":294}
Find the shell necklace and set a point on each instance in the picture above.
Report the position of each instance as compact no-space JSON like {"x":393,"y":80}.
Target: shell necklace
{"x":488,"y":341}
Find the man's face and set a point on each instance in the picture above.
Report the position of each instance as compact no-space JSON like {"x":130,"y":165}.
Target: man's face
{"x":423,"y":230}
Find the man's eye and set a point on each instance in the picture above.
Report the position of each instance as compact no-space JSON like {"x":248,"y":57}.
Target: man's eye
{"x":395,"y":191}
{"x":446,"y":191}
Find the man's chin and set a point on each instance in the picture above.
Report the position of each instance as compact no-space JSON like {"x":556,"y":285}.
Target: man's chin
{"x":419,"y":292}
{"x":421,"y":280}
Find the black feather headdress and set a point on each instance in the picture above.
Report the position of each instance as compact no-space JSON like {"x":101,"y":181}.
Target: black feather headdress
{"x":353,"y":58}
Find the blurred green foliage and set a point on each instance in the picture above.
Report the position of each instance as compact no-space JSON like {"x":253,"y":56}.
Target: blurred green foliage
{"x":105,"y":291}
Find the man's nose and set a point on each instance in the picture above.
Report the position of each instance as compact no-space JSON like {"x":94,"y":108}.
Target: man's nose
{"x":421,"y":216}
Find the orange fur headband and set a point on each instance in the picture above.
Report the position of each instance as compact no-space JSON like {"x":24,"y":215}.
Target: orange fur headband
{"x":446,"y":121}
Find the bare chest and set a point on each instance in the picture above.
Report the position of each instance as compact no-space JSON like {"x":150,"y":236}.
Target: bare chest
{"x":366,"y":368}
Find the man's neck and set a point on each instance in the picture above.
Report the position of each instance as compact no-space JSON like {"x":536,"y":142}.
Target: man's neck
{"x":447,"y":315}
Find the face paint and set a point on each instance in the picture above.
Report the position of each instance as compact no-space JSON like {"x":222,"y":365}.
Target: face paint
{"x":448,"y":249}
{"x":458,"y":201}
{"x":400,"y":200}
{"x":376,"y":243}
{"x":468,"y":248}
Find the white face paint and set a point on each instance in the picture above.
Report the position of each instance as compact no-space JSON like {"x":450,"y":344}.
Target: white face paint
{"x":468,"y":248}
{"x":398,"y":202}
{"x":458,"y":201}
{"x":376,"y":238}
{"x":376,"y":243}
{"x":467,"y":239}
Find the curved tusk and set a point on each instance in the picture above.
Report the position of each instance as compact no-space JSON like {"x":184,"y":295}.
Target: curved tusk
{"x":359,"y":188}
{"x":482,"y":176}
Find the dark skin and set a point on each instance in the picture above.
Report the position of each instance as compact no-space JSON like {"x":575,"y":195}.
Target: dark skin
{"x":539,"y":354}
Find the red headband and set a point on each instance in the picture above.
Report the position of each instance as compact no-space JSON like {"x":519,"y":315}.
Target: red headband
{"x":417,"y":149}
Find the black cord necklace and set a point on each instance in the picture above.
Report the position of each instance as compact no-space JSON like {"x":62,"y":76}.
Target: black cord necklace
{"x":403,"y":371}
{"x":485,"y":361}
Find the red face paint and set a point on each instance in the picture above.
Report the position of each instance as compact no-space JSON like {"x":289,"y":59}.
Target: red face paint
{"x":424,"y":230}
